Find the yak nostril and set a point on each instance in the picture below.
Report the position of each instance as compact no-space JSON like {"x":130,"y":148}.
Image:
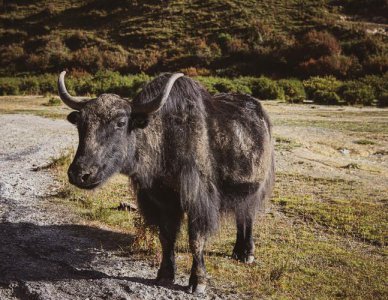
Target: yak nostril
{"x":85,"y":177}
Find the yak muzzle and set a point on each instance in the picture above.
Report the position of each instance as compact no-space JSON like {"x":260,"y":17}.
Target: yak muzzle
{"x":83,"y":177}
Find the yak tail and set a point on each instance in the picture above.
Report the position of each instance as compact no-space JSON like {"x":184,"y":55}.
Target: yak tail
{"x":200,"y":201}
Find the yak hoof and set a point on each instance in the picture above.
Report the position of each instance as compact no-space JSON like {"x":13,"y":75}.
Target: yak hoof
{"x":198,"y":290}
{"x":248,"y":259}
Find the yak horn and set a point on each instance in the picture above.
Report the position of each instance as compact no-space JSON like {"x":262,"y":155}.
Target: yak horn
{"x":158,"y":102}
{"x":69,"y":100}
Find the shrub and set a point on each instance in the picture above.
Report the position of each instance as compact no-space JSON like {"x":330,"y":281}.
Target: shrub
{"x":367,"y":46}
{"x":48,"y":84}
{"x":114,"y":60}
{"x":224,"y":85}
{"x":192,"y":71}
{"x":323,"y":90}
{"x":141,"y":61}
{"x":355,"y":92}
{"x":380,"y":87}
{"x":382,"y":101}
{"x":30,"y":85}
{"x":37,"y":62}
{"x":9,"y":86}
{"x":293,"y":90}
{"x":326,"y":97}
{"x":266,"y":89}
{"x":338,"y":65}
{"x":10,"y":55}
{"x":204,"y":51}
{"x":138,"y":81}
{"x":377,"y":64}
{"x":316,"y":44}
{"x":88,"y":59}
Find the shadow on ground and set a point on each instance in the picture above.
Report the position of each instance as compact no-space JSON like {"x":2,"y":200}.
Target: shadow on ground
{"x":30,"y":252}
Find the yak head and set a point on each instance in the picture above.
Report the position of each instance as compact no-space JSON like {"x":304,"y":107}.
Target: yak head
{"x":106,"y":127}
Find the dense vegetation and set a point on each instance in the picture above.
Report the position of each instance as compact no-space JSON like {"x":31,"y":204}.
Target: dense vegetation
{"x":278,"y":38}
{"x":335,"y":51}
{"x":367,"y":90}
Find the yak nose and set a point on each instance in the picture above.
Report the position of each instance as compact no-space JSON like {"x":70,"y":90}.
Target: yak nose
{"x":84,"y":177}
{"x":81,"y":175}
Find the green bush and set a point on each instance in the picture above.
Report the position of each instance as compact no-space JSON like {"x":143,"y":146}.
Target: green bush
{"x":9,"y":86}
{"x":48,"y":84}
{"x":224,"y":85}
{"x":380,"y":87}
{"x":323,"y":90}
{"x":30,"y":85}
{"x":356,"y":92}
{"x":293,"y":90}
{"x":266,"y":89}
{"x":382,"y":101}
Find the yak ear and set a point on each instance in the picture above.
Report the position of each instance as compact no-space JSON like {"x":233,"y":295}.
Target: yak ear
{"x":139,"y":120}
{"x":73,"y":117}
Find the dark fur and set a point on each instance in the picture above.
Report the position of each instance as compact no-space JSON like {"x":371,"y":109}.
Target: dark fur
{"x":199,"y":155}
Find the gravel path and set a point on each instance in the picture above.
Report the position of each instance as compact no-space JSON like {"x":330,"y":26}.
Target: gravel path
{"x":46,"y":253}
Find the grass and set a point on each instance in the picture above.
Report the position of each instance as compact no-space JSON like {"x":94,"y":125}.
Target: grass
{"x":343,"y":210}
{"x":356,"y":126}
{"x":35,"y":105}
{"x":321,"y":240}
{"x":283,"y":143}
{"x":364,"y":142}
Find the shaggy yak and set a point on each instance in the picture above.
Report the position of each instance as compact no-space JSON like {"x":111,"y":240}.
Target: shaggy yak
{"x":186,"y":152}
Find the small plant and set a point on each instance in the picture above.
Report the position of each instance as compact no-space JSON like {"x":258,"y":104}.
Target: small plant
{"x":364,"y":142}
{"x":146,"y":239}
{"x":54,"y":101}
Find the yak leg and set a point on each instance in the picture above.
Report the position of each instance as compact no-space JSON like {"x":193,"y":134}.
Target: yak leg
{"x":197,"y":281}
{"x":244,"y":248}
{"x":168,"y":218}
{"x":169,"y":226}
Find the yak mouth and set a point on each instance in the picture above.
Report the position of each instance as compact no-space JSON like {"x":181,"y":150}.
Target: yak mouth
{"x":89,"y":186}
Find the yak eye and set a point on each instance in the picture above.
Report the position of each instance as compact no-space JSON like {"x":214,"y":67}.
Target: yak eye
{"x":121,"y":123}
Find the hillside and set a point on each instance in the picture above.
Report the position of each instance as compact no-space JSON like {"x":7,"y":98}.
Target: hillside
{"x":278,"y":38}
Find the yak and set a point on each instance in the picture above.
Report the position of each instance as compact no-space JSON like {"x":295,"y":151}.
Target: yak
{"x":187,"y":152}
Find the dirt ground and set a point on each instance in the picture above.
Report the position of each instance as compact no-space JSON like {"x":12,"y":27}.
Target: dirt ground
{"x":347,"y":143}
{"x":49,"y":253}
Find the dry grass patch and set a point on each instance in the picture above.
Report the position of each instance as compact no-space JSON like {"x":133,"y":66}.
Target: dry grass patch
{"x":316,"y":243}
{"x":33,"y":105}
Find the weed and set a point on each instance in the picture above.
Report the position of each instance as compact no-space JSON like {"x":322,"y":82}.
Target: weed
{"x":53,"y":101}
{"x":364,"y":142}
